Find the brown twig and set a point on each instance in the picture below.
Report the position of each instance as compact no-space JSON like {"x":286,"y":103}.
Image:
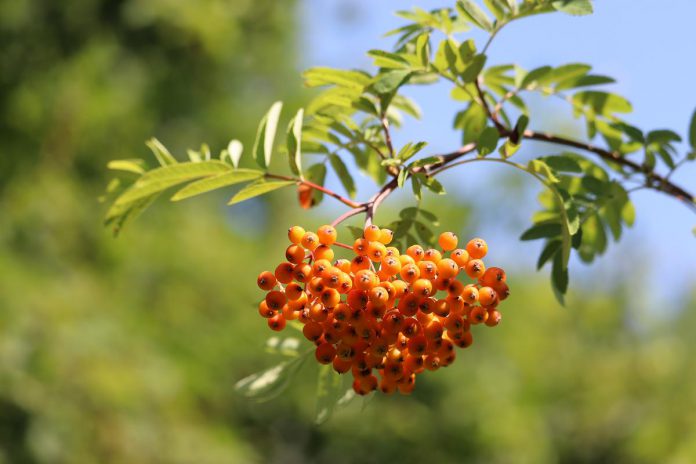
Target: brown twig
{"x":331,"y":193}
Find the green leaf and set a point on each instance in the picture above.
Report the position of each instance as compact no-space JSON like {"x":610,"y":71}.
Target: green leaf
{"x":409,"y":150}
{"x":531,"y":80}
{"x":467,"y":51}
{"x":416,"y":187}
{"x":136,"y":166}
{"x":472,"y":122}
{"x":271,"y":382}
{"x":570,"y":71}
{"x":474,"y":13}
{"x":317,"y":174}
{"x":294,"y":142}
{"x":474,"y":68}
{"x":563,"y":163}
{"x":320,"y":76}
{"x":497,"y":7}
{"x":390,"y":81}
{"x":265,"y":135}
{"x":330,"y":389}
{"x":423,"y":49}
{"x":583,"y":81}
{"x":234,"y":151}
{"x":383,"y":59}
{"x":692,"y":132}
{"x":540,"y":167}
{"x":401,"y":178}
{"x":343,"y":174}
{"x":602,"y":102}
{"x":212,"y":183}
{"x":574,"y":7}
{"x":160,"y":151}
{"x":285,"y":346}
{"x":488,"y":141}
{"x":168,"y":176}
{"x":550,"y":249}
{"x":434,"y":185}
{"x":537,"y":231}
{"x":259,"y":188}
{"x":559,"y":277}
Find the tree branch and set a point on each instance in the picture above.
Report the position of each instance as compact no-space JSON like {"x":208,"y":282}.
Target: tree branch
{"x":331,"y":193}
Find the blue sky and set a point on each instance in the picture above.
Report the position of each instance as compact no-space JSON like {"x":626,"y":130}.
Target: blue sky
{"x":647,"y":48}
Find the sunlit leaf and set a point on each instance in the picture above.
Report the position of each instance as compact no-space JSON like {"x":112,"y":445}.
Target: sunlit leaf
{"x":265,"y":135}
{"x":213,"y":183}
{"x":259,"y":188}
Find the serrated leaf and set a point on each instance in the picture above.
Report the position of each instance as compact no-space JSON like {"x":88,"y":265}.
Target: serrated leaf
{"x":213,"y":183}
{"x":343,"y":174}
{"x":692,"y":131}
{"x":234,"y":151}
{"x":409,"y":150}
{"x":164,"y":177}
{"x":562,"y":163}
{"x":549,"y":251}
{"x":533,"y":77}
{"x":603,"y":103}
{"x":294,"y":142}
{"x":472,"y":122}
{"x":474,"y":13}
{"x":136,"y":166}
{"x":160,"y":151}
{"x":434,"y":185}
{"x":559,"y":278}
{"x":321,"y":76}
{"x":269,"y":383}
{"x":488,"y":141}
{"x":265,"y":135}
{"x":537,"y":231}
{"x":259,"y":188}
{"x":329,"y":391}
{"x":317,"y":174}
{"x":474,"y":68}
{"x":583,"y":81}
{"x":574,"y":7}
{"x":390,"y":81}
{"x":540,"y":167}
{"x":384,"y":59}
{"x":416,"y":187}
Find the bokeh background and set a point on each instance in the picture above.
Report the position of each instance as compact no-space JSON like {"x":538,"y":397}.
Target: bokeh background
{"x":126,"y":350}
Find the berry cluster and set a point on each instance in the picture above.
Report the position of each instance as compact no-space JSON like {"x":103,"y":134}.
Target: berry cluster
{"x":391,"y":319}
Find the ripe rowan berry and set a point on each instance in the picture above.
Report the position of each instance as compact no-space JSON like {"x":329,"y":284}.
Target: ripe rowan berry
{"x":342,"y":366}
{"x":408,"y":306}
{"x":360,"y":246}
{"x":428,"y":269}
{"x":475,"y":268}
{"x":330,"y":297}
{"x":416,"y":252}
{"x":409,"y":273}
{"x":343,"y":264}
{"x":318,"y":312}
{"x":441,"y":308}
{"x":293,"y":291}
{"x":277,"y":322}
{"x":447,"y":241}
{"x":295,"y":234}
{"x":470,"y":294}
{"x":310,"y":241}
{"x":324,"y":252}
{"x":325,"y":353}
{"x":295,"y":254}
{"x":386,"y":236}
{"x":460,"y":256}
{"x":447,"y":268}
{"x":487,"y":296}
{"x":433,"y":255}
{"x":327,"y":235}
{"x":372,"y":233}
{"x":390,"y":265}
{"x":376,"y":251}
{"x":422,"y":287}
{"x":477,"y":248}
{"x":477,"y":315}
{"x":494,"y":318}
{"x":313,"y":331}
{"x":284,"y":272}
{"x":265,"y":311}
{"x":266,"y":281}
{"x":275,"y":300}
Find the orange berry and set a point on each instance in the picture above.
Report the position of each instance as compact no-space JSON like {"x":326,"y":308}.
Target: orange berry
{"x":441,"y":308}
{"x":325,"y":353}
{"x":386,"y":236}
{"x":502,"y":290}
{"x":277,"y":322}
{"x":319,"y":313}
{"x":387,"y":386}
{"x":432,"y":362}
{"x":391,"y":251}
{"x":343,"y":264}
{"x":492,"y":276}
{"x":494,"y":318}
{"x":265,"y":311}
{"x":478,"y":315}
{"x":324,"y":252}
{"x":359,"y":263}
{"x":409,"y":273}
{"x":378,"y":296}
{"x":345,"y":283}
{"x":342,"y":366}
{"x":428,"y":269}
{"x":433,"y":330}
{"x":408,"y":305}
{"x":299,"y":303}
{"x":400,"y":288}
{"x":475,"y":268}
{"x":327,"y":235}
{"x":293,"y":291}
{"x":477,"y":248}
{"x":316,"y":286}
{"x":365,"y":280}
{"x":447,"y":268}
{"x":432,"y":255}
{"x":332,"y":277}
{"x":310,"y":241}
{"x":470,"y":294}
{"x":465,"y":341}
{"x":295,"y":234}
{"x":390,"y":265}
{"x":302,"y":272}
{"x":295,"y":254}
{"x":416,"y":252}
{"x":487,"y":296}
{"x":376,"y":251}
{"x":455,"y":288}
{"x":417,"y":345}
{"x":330,"y":297}
{"x":372,"y":233}
{"x":447,"y":241}
{"x":422,"y":287}
{"x":313,"y":331}
{"x":407,"y":385}
{"x":360,"y":246}
{"x":460,"y":256}
{"x":275,"y":300}
{"x":357,"y":299}
{"x":320,"y":266}
{"x":266,"y":281}
{"x":283,"y":272}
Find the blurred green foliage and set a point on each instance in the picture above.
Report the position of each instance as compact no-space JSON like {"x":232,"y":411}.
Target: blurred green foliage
{"x":127,"y":350}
